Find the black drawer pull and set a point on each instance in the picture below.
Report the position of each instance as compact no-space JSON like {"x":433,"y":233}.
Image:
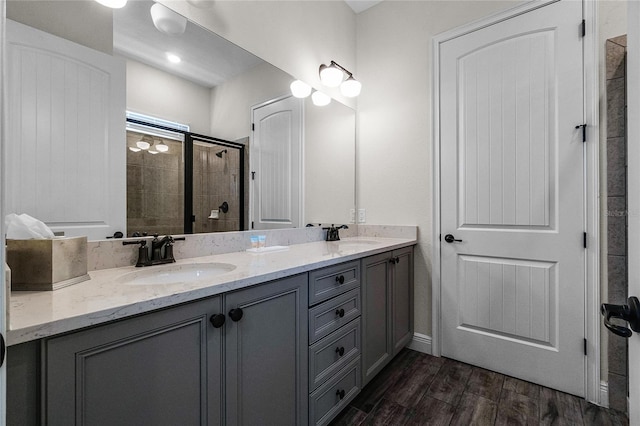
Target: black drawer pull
{"x":340,"y":393}
{"x":340,"y":312}
{"x":236,"y":314}
{"x":340,"y":279}
{"x":340,"y":350}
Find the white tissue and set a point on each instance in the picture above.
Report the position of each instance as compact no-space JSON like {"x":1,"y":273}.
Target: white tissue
{"x":25,"y":227}
{"x":215,"y":214}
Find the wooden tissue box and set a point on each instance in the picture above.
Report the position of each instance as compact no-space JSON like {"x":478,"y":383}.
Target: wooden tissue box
{"x":47,"y":264}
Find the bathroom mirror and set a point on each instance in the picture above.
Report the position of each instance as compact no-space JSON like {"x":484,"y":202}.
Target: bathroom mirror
{"x":213,"y":90}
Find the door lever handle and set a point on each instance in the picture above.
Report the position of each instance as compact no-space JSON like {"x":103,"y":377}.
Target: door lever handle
{"x":629,"y":313}
{"x":450,"y":238}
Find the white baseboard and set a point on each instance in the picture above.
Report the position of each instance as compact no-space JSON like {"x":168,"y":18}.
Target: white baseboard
{"x":420,"y":343}
{"x":604,"y":394}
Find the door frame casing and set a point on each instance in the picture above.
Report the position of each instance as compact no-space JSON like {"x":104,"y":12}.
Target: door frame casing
{"x":591,"y":182}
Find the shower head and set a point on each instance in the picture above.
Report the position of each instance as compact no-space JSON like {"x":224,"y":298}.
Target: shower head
{"x":219,"y":153}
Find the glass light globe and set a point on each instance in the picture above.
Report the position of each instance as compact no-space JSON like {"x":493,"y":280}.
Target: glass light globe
{"x":143,"y":144}
{"x":320,"y":99}
{"x":152,"y":152}
{"x":134,"y":149}
{"x":351,"y":87}
{"x":330,"y":75}
{"x":167,"y":21}
{"x":300,"y":89}
{"x":113,"y":4}
{"x":162,"y":147}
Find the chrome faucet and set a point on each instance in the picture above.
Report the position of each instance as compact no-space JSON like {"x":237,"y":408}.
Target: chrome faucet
{"x":333,"y":233}
{"x":158,"y":255}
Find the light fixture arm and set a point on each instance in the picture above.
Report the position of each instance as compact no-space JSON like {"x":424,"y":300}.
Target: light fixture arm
{"x":343,"y":69}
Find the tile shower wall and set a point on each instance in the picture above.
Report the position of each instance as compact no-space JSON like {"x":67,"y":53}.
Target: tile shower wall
{"x":216,"y":180}
{"x":155,"y":189}
{"x":617,"y":213}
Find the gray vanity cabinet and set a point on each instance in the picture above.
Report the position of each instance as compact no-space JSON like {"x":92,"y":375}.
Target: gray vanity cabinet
{"x":162,"y":368}
{"x":387,"y":308}
{"x":175,"y":367}
{"x":266,"y":351}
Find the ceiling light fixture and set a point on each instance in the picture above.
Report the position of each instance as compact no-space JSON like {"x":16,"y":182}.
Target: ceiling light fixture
{"x":113,"y":4}
{"x":300,"y":89}
{"x":173,"y":58}
{"x":332,"y":75}
{"x":167,"y":21}
{"x":320,"y":99}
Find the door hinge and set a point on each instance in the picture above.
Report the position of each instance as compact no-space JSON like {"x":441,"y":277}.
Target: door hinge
{"x":584,"y":131}
{"x":253,"y":127}
{"x":251,"y":224}
{"x":584,"y":239}
{"x":585,"y":347}
{"x":253,"y":175}
{"x":583,"y":28}
{"x":193,"y":218}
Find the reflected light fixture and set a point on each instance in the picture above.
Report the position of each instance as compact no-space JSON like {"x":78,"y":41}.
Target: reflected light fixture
{"x":300,"y":89}
{"x":173,"y":58}
{"x":320,"y":99}
{"x":162,"y":147}
{"x":167,"y":21}
{"x":113,"y":4}
{"x":134,"y":149}
{"x":332,"y":75}
{"x":144,"y":143}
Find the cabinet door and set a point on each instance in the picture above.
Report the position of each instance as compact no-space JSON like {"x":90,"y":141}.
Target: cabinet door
{"x":376,"y":313}
{"x":266,"y":354}
{"x":402,"y":300}
{"x":162,"y":368}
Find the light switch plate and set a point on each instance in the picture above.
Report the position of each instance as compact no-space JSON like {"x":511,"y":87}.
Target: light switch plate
{"x":362,"y":215}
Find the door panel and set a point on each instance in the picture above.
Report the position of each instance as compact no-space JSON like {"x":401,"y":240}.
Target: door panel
{"x":276,"y":165}
{"x":513,"y":288}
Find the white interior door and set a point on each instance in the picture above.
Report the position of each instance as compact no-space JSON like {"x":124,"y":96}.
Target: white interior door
{"x":276,"y":165}
{"x":633,"y":190}
{"x":512,"y":179}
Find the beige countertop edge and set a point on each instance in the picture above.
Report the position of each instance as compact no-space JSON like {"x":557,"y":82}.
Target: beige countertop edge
{"x":35,"y":315}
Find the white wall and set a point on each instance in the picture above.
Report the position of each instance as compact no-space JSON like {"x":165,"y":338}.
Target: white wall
{"x":295,"y":36}
{"x":163,"y":95}
{"x":394,"y":113}
{"x":231,"y":102}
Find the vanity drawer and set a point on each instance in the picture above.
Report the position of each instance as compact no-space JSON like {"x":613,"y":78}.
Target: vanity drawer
{"x":330,"y":354}
{"x":333,"y":314}
{"x":329,"y":399}
{"x":333,"y":280}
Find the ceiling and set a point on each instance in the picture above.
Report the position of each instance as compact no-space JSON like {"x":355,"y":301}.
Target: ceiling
{"x":361,"y":5}
{"x":135,"y":37}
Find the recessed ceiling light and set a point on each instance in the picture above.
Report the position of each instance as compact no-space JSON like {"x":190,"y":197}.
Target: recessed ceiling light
{"x":174,"y":59}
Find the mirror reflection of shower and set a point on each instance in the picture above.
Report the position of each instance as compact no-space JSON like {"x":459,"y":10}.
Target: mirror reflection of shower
{"x":219,"y":153}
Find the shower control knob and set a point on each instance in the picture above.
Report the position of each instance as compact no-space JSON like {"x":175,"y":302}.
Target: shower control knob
{"x":450,"y":239}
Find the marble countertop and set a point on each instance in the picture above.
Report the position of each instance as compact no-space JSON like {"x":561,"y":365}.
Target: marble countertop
{"x":107,"y":296}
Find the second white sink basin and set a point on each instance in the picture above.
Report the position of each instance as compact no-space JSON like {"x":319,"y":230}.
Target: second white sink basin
{"x":173,"y":274}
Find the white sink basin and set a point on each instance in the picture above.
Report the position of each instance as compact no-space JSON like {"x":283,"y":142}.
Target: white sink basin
{"x":173,"y":274}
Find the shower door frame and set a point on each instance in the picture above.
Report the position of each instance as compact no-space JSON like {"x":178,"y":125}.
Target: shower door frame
{"x":189,"y":137}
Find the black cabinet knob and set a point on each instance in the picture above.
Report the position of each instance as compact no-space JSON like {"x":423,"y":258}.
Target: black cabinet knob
{"x":340,"y":350}
{"x":235,"y":314}
{"x":340,"y":393}
{"x":340,"y":279}
{"x":217,"y":320}
{"x":340,"y":312}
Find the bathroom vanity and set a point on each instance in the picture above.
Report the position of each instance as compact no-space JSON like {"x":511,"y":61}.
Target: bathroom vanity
{"x":286,"y":337}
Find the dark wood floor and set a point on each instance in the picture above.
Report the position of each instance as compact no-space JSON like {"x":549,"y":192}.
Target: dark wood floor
{"x":419,"y":389}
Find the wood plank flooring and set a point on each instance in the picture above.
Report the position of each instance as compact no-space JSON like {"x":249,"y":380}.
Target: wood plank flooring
{"x":419,"y":389}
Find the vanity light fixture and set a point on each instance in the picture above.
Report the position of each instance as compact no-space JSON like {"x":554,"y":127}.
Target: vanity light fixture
{"x":113,"y":4}
{"x":332,"y":75}
{"x":300,"y":89}
{"x":134,"y":149}
{"x":320,"y":99}
{"x":167,"y":21}
{"x":145,"y":143}
{"x":161,"y":147}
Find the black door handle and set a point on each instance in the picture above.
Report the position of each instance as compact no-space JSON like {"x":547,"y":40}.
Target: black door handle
{"x":450,"y":238}
{"x":629,"y":313}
